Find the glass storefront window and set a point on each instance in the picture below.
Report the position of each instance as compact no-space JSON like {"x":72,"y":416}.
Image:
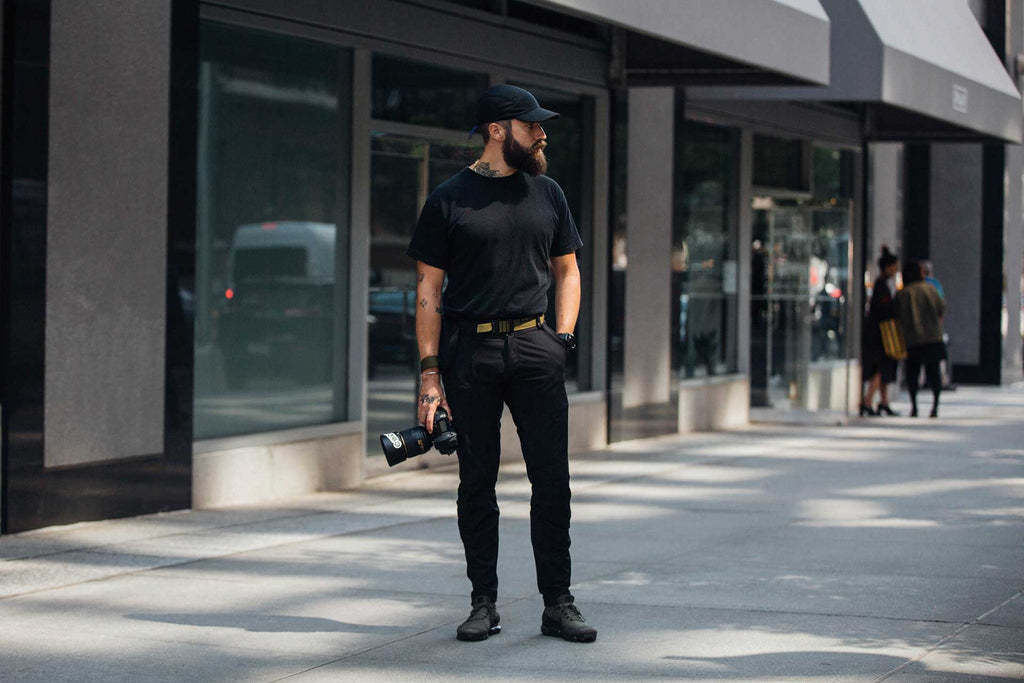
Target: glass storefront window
{"x":407,"y":164}
{"x":618,"y":246}
{"x":831,"y":221}
{"x":271,"y":174}
{"x":704,"y":269}
{"x":780,"y":164}
{"x":404,"y":170}
{"x":425,"y":95}
{"x":565,"y":153}
{"x":800,"y":274}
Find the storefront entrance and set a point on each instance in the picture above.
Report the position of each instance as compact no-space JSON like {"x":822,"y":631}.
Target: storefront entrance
{"x":799,"y":280}
{"x":405,"y":169}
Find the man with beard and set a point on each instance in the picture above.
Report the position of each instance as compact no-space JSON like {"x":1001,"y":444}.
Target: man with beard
{"x":501,"y":230}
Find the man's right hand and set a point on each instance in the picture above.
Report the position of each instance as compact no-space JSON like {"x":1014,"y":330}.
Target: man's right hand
{"x":430,"y":397}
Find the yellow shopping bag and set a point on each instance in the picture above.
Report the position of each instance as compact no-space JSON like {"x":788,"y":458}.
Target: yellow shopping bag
{"x":892,"y":339}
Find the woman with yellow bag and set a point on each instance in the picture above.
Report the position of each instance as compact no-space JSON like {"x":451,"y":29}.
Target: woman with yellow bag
{"x":919,"y":308}
{"x":879,"y":367}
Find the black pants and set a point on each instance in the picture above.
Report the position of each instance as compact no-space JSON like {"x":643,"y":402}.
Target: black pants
{"x":526,"y":371}
{"x":928,"y":355}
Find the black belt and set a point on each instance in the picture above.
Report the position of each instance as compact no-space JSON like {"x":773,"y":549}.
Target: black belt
{"x":505,"y":326}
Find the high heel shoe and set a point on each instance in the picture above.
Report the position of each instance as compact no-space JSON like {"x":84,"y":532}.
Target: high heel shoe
{"x":935,"y":412}
{"x":884,"y":409}
{"x":866,"y":410}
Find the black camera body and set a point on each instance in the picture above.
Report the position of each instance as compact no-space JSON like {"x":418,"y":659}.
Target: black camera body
{"x":400,"y":446}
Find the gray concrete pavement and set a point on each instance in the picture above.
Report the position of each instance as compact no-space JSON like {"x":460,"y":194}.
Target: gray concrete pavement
{"x":887,"y":549}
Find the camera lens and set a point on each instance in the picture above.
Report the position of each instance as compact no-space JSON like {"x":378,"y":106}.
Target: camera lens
{"x":399,"y":446}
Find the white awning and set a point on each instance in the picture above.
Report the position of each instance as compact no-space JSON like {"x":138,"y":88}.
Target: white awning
{"x":732,"y":41}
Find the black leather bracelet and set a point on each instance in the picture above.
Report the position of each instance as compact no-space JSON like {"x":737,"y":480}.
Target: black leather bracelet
{"x":428,"y":362}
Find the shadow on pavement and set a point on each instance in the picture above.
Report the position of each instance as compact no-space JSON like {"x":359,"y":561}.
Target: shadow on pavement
{"x":265,"y":623}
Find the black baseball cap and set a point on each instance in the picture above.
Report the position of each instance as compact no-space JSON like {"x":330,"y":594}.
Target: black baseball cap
{"x":509,"y":102}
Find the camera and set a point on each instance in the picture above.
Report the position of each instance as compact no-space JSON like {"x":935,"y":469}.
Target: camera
{"x":399,"y":446}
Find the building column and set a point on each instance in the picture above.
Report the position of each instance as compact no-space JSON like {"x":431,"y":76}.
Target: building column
{"x":647,"y":366}
{"x":1013,"y":264}
{"x":1012,"y":360}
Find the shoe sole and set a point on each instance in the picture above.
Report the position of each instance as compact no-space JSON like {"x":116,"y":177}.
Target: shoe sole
{"x":474,"y":638}
{"x":557,"y":633}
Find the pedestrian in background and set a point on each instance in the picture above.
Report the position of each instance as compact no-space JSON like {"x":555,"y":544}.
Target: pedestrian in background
{"x":919,"y":309}
{"x":928,"y":273}
{"x":878,"y":367}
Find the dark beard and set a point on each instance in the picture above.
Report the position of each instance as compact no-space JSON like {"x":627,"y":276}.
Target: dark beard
{"x":527,"y":160}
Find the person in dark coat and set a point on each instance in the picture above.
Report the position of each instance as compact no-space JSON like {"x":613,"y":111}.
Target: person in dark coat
{"x":878,"y":367}
{"x":919,"y":308}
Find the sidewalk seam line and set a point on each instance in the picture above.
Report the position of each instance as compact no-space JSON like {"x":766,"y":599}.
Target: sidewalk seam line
{"x":942,"y":641}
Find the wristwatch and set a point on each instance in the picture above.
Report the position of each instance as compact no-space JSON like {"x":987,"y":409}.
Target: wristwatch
{"x":568,"y":340}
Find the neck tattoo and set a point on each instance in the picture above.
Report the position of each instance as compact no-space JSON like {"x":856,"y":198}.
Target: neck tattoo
{"x":484,"y":169}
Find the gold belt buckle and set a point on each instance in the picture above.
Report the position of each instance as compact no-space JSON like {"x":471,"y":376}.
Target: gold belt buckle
{"x":529,"y":323}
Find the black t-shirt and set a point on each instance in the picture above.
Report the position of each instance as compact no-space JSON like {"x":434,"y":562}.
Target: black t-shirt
{"x":494,"y":238}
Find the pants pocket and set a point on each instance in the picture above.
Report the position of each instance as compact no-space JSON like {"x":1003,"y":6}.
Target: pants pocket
{"x":560,"y":352}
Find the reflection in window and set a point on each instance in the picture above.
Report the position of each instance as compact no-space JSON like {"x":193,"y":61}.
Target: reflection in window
{"x":407,"y":164}
{"x":799,"y":280}
{"x":703,"y":256}
{"x":780,"y":163}
{"x":830,"y":262}
{"x":424,"y":94}
{"x":565,"y":153}
{"x":404,"y":171}
{"x":269,"y":182}
{"x":618,"y":245}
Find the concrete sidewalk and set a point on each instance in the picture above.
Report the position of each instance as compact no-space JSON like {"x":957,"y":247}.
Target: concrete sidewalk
{"x":889,"y":549}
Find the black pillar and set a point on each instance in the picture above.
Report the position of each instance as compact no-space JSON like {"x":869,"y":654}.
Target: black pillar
{"x":993,"y":201}
{"x":916,"y":201}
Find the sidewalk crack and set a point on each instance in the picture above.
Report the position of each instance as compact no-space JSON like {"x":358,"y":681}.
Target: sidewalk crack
{"x":942,"y":641}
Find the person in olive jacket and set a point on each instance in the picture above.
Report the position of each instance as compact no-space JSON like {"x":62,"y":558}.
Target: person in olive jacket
{"x":920,"y":309}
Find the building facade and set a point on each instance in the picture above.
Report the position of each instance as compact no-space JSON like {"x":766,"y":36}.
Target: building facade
{"x":205,"y":208}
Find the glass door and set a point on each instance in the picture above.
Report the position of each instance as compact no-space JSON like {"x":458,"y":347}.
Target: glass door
{"x":799,"y":275}
{"x":404,"y":169}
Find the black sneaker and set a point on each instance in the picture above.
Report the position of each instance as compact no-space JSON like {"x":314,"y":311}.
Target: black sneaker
{"x":482,"y":622}
{"x":563,"y":620}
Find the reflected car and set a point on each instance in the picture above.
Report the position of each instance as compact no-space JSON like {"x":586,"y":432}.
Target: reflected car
{"x":277,"y":313}
{"x":392,"y":329}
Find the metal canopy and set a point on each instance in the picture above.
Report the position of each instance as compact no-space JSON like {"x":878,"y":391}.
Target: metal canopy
{"x":689,"y":42}
{"x":922,"y":73}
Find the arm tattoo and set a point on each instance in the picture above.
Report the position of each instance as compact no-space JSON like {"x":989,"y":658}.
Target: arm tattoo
{"x":423,"y":303}
{"x":419,"y":276}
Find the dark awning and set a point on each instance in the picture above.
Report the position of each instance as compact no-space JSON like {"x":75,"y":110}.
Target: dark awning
{"x":689,"y":42}
{"x":922,"y":72}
